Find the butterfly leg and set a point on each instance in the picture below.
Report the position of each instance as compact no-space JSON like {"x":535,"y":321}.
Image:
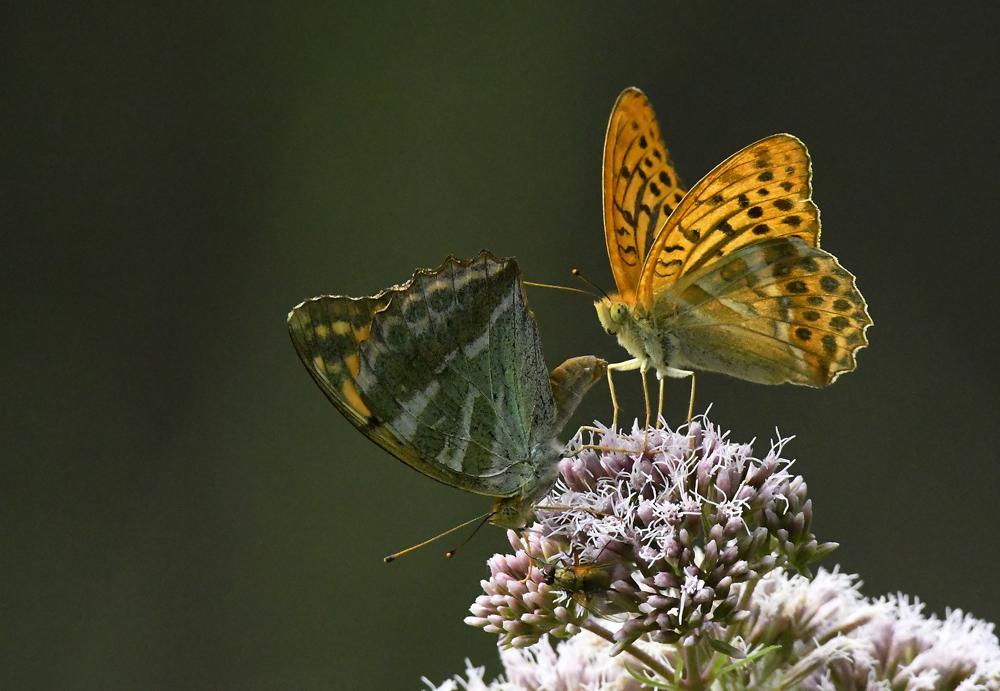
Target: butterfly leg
{"x":659,"y":409}
{"x":584,"y":509}
{"x":645,"y":393}
{"x":679,"y":374}
{"x":592,"y":447}
{"x":634,"y":363}
{"x":691,"y":402}
{"x":614,"y":400}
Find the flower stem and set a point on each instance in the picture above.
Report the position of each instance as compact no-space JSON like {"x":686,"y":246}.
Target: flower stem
{"x":590,"y":625}
{"x":692,"y":670}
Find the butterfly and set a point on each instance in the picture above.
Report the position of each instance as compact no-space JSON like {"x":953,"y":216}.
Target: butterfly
{"x":446,"y":373}
{"x":727,"y":277}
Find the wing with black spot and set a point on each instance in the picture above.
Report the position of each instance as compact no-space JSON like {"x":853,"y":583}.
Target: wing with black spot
{"x":640,"y":187}
{"x":761,"y":192}
{"x":771,"y":312}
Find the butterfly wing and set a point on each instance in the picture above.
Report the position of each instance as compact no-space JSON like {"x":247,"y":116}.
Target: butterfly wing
{"x":449,"y":378}
{"x":456,"y":366}
{"x":776,"y":311}
{"x":326,"y":332}
{"x":761,"y":192}
{"x":640,"y":187}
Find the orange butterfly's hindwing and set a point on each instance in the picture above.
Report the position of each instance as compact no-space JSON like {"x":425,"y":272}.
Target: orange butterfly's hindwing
{"x":772,"y":312}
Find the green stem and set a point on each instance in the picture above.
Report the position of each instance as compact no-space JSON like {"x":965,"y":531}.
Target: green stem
{"x":590,"y":625}
{"x":693,"y":668}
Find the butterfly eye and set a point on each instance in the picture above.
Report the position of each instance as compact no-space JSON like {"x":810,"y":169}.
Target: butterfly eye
{"x":618,"y":311}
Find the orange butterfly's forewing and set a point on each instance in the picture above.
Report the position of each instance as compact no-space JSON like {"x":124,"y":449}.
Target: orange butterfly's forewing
{"x":759,"y":193}
{"x":640,"y":187}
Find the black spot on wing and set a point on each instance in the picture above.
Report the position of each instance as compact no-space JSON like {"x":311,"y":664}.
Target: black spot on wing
{"x":829,"y":284}
{"x":724,"y":228}
{"x":839,"y":323}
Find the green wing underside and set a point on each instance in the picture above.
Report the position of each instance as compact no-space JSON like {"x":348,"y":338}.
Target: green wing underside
{"x":325,"y":332}
{"x":445,"y":372}
{"x":455,"y":368}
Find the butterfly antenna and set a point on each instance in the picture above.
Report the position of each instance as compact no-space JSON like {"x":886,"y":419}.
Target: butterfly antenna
{"x":576,"y":272}
{"x":485,"y":517}
{"x":546,"y":285}
{"x":466,"y":540}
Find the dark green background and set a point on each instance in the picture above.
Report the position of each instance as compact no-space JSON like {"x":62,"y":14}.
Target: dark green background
{"x":180,"y":507}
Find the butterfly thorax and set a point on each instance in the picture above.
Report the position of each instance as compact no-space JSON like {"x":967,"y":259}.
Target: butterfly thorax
{"x":638,"y":332}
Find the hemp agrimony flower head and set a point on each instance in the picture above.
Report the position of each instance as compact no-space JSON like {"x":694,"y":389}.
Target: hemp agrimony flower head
{"x":678,"y":522}
{"x":686,"y":537}
{"x":810,"y":634}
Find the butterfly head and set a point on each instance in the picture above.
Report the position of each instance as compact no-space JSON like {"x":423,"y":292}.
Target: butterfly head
{"x":512,"y":512}
{"x":612,"y":313}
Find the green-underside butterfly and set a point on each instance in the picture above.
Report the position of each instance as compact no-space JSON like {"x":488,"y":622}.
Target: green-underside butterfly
{"x":446,"y":373}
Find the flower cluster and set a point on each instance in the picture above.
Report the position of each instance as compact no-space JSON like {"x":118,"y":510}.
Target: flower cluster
{"x":659,"y":527}
{"x":811,"y":634}
{"x":680,"y":561}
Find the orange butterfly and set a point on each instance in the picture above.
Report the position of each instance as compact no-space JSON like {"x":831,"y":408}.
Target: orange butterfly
{"x":729,"y":276}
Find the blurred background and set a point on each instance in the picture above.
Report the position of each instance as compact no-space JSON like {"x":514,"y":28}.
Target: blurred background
{"x":181,"y":508}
